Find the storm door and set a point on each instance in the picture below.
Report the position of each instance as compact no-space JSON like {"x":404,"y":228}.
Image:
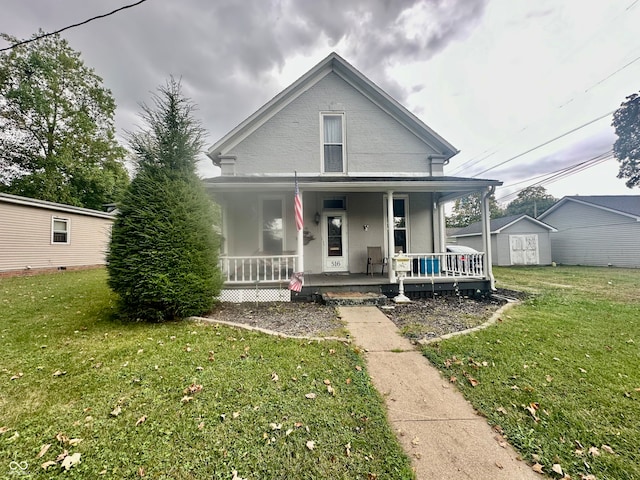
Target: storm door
{"x":334,"y":242}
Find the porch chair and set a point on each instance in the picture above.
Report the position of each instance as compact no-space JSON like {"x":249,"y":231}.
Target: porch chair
{"x":374,"y":257}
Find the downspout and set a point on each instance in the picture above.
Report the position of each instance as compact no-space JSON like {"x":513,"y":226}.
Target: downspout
{"x":486,"y":236}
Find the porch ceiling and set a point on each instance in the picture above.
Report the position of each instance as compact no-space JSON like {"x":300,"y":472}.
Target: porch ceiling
{"x":447,"y":185}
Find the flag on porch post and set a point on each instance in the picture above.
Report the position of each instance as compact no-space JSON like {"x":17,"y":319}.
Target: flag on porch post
{"x":298,"y":206}
{"x":297,"y":278}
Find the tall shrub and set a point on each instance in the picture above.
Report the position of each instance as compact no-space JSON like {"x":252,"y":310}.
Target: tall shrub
{"x":163,"y":256}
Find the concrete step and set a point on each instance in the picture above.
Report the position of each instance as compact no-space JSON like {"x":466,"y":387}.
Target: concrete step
{"x":354,"y":298}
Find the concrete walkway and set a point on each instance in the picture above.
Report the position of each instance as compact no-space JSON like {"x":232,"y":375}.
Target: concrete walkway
{"x":438,"y":428}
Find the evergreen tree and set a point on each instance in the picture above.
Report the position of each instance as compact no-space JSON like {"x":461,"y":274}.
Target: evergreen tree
{"x":163,"y":256}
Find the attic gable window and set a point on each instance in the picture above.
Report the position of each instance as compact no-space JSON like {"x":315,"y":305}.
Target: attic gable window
{"x":333,"y":142}
{"x":59,"y":230}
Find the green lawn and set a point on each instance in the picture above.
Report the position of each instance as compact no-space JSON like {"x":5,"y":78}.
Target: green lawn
{"x":177,"y":400}
{"x":560,"y":374}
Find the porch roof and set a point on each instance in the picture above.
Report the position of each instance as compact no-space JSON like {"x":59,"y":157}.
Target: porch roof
{"x":450,"y":186}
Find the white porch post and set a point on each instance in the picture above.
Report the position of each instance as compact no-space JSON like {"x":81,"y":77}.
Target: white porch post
{"x":439,"y":228}
{"x":300,"y":239}
{"x":486,"y":236}
{"x":390,"y":237}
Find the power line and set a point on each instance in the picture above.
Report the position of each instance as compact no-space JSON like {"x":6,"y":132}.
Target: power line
{"x":546,"y":143}
{"x":24,"y":42}
{"x":560,"y":174}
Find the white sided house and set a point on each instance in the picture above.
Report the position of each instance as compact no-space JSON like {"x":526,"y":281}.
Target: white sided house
{"x":600,"y":230}
{"x":37,"y":236}
{"x":515,"y":240}
{"x":371,"y":177}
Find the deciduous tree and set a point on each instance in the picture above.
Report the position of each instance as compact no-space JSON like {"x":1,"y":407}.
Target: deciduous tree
{"x":57,"y":134}
{"x":468,"y":210}
{"x":626,"y":122}
{"x":532,"y":201}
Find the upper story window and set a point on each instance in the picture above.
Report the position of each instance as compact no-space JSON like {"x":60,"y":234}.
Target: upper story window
{"x":59,"y":230}
{"x":333,"y":142}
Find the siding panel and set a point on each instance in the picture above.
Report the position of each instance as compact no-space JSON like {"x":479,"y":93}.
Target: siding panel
{"x":25,"y":239}
{"x":592,"y":236}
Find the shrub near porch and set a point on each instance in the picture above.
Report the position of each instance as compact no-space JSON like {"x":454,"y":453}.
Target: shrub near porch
{"x":559,"y":374}
{"x":179,"y":399}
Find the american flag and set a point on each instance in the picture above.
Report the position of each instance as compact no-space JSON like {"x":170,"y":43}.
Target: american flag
{"x":295,"y":284}
{"x":298,"y":207}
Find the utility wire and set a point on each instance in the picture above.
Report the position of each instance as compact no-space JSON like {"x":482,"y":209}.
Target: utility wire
{"x":559,"y":174}
{"x":24,"y":42}
{"x":545,"y":143}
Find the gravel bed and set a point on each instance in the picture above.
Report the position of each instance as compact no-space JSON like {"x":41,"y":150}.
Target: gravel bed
{"x":421,"y":319}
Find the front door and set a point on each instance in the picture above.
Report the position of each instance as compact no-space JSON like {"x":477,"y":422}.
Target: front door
{"x":334,"y":242}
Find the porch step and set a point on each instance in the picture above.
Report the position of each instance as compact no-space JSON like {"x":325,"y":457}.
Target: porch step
{"x":354,"y":298}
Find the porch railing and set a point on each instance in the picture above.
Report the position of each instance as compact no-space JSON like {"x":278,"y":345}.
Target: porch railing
{"x":446,"y":265}
{"x":261,"y":268}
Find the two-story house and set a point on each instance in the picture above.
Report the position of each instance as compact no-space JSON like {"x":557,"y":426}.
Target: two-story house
{"x":370,"y":177}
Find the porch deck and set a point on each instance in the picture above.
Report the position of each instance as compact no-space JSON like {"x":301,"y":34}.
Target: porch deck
{"x":265,"y":278}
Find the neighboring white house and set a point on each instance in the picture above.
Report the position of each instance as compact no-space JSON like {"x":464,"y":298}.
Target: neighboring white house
{"x":370,"y":173}
{"x":515,"y":240}
{"x":39,"y":235}
{"x":596,"y":230}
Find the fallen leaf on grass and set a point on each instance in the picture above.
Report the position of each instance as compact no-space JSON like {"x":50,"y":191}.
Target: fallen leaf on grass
{"x":116,"y":411}
{"x":358,"y":368}
{"x":473,"y":381}
{"x":186,"y":399}
{"x":200,"y":425}
{"x":74,"y":441}
{"x":43,"y":450}
{"x":582,"y":370}
{"x":274,"y":377}
{"x":59,"y":373}
{"x":453,"y":379}
{"x":17,"y":376}
{"x":537,"y":468}
{"x":594,"y":451}
{"x":62,"y":456}
{"x":70,"y":461}
{"x":62,"y":438}
{"x":607,"y":449}
{"x":193,"y":388}
{"x":48,"y":464}
{"x":311,"y":444}
{"x":141,"y":471}
{"x":501,"y":410}
{"x":235,"y":476}
{"x":141,"y":420}
{"x":3,"y":430}
{"x":331,"y":390}
{"x":549,"y":378}
{"x":348,"y":381}
{"x":310,"y":396}
{"x":557,"y":468}
{"x":347,"y":449}
{"x":588,"y":477}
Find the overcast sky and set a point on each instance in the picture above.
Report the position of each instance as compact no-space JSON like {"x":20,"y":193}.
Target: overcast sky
{"x":496,"y":78}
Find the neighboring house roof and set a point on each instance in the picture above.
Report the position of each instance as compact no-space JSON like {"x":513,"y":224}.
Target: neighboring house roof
{"x":332,"y":63}
{"x":628,"y":205}
{"x":497,"y":225}
{"x":58,"y":207}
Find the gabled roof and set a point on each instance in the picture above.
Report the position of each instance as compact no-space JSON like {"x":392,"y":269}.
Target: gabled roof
{"x":628,"y":205}
{"x":57,"y":207}
{"x":497,"y":225}
{"x":332,"y":63}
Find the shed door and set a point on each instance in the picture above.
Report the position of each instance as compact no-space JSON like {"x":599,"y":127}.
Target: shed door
{"x":524,"y":249}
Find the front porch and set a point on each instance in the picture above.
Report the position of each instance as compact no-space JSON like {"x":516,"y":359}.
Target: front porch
{"x":265,"y":278}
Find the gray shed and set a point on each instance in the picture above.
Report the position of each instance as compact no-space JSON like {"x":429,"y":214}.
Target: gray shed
{"x":515,"y":240}
{"x":598,"y":230}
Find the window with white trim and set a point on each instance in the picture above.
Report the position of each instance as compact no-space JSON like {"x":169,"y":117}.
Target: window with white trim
{"x":333,"y":143}
{"x":272,"y":226}
{"x":59,"y":230}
